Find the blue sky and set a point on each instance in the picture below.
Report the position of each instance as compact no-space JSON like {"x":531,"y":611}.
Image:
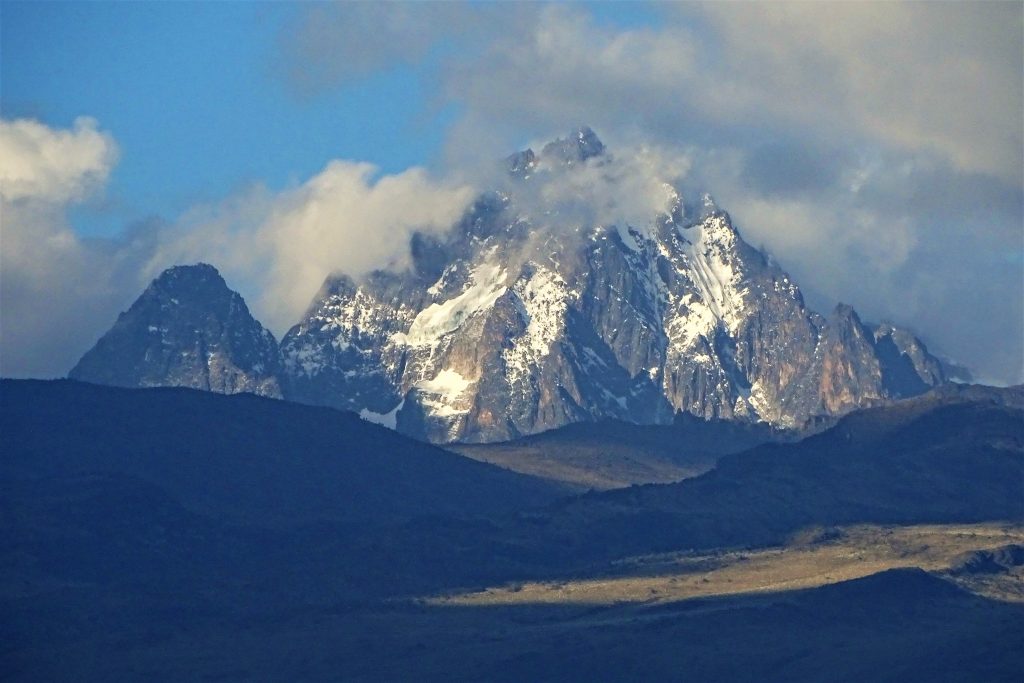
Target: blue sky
{"x":194,"y":94}
{"x":874,"y":149}
{"x":173,"y":79}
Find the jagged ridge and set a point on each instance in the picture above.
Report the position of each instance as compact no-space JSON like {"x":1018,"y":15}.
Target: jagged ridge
{"x":518,"y":321}
{"x":511,"y":326}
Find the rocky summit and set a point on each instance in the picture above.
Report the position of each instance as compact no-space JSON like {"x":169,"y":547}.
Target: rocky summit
{"x":527,"y":316}
{"x":188,"y":329}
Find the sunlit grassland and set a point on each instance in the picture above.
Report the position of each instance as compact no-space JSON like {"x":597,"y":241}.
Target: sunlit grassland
{"x":810,"y":559}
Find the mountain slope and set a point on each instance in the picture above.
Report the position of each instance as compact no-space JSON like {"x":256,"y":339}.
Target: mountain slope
{"x":897,"y":625}
{"x":521,"y":320}
{"x":605,"y":455}
{"x":169,"y":534}
{"x":929,"y":460}
{"x":536,"y":310}
{"x":322,"y":488}
{"x":187,"y":329}
{"x":245,"y":459}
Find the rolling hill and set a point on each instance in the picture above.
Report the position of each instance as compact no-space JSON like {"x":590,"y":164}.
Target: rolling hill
{"x":170,"y":534}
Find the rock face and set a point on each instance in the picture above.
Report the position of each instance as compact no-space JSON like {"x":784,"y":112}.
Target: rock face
{"x":512,"y":325}
{"x":189,"y":330}
{"x":523,"y":318}
{"x":995,"y":561}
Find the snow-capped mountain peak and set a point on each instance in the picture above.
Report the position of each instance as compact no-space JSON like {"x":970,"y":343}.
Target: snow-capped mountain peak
{"x":526,"y":320}
{"x":540,"y":308}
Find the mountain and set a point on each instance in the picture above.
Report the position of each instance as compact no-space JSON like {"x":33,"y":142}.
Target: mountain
{"x":516,"y":322}
{"x":173,"y":534}
{"x":243,"y":484}
{"x":187,"y":329}
{"x":534,"y":312}
{"x":247,"y":459}
{"x":940,"y":458}
{"x":129,"y":514}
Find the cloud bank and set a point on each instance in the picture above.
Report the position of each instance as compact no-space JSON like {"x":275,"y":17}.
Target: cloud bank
{"x":58,"y":291}
{"x":277,"y":249}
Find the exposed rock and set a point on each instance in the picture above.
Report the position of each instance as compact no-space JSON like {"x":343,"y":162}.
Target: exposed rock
{"x":188,"y":329}
{"x":509,"y":326}
{"x":520,"y":320}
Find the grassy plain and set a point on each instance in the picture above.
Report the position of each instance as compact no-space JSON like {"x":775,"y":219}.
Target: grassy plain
{"x":811,"y":559}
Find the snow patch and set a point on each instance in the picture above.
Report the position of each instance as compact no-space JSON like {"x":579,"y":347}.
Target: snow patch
{"x":441,"y":395}
{"x":308,"y":358}
{"x":543,"y":301}
{"x":591,"y":359}
{"x":714,"y":274}
{"x":692,"y":320}
{"x":612,"y":398}
{"x":388,"y":419}
{"x":447,"y":382}
{"x":437,"y":320}
{"x":436,"y":288}
{"x":626,"y":235}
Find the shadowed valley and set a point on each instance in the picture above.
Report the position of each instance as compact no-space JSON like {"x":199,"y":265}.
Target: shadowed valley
{"x":187,"y":534}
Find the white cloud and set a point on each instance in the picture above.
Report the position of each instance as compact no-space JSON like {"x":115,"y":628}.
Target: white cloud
{"x":40,"y":163}
{"x":335,"y":44}
{"x":942,"y":76}
{"x":563,"y":69}
{"x":626,"y":187}
{"x":277,"y":249}
{"x":922,"y":77}
{"x":58,"y":291}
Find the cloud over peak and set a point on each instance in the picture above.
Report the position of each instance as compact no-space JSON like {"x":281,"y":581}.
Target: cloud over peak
{"x":277,"y":248}
{"x":875,"y":149}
